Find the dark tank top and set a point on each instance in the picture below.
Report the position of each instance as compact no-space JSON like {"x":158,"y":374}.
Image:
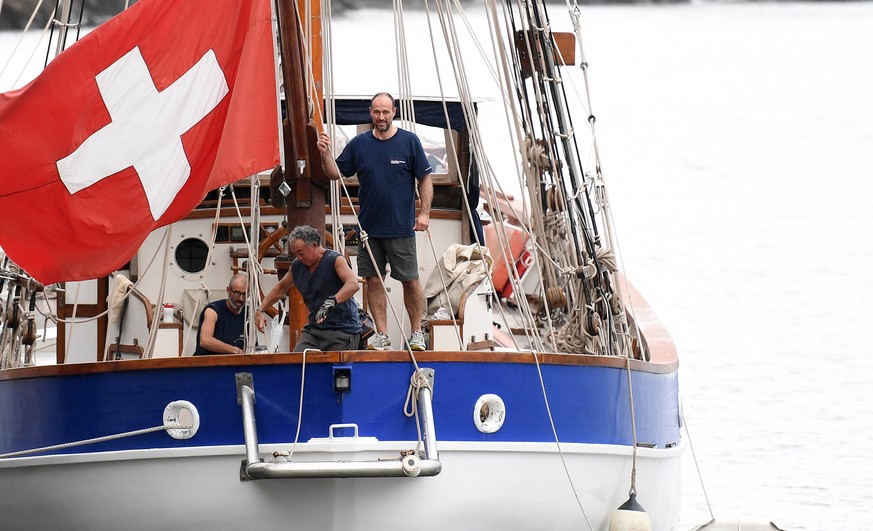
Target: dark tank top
{"x":229,"y":327}
{"x":317,"y":286}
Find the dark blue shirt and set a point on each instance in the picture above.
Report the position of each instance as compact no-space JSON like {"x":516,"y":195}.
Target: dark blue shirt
{"x":229,"y":327}
{"x":317,"y":286}
{"x":387,"y":170}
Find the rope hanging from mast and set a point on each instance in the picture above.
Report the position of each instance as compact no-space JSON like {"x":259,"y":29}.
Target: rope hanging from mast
{"x":578,"y":292}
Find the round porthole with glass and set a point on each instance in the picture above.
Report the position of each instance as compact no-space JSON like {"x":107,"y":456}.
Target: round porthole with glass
{"x":190,"y":256}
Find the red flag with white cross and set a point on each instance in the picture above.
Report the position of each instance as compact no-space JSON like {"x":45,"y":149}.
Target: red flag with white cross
{"x":128,"y":129}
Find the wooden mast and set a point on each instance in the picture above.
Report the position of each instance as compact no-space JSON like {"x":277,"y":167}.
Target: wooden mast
{"x":301,"y":71}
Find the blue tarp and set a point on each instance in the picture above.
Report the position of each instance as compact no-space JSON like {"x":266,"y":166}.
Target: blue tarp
{"x":432,"y":113}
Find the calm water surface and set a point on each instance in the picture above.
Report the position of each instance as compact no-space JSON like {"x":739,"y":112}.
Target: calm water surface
{"x":736,"y":143}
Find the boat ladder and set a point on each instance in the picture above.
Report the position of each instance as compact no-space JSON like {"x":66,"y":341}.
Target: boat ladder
{"x":409,"y":464}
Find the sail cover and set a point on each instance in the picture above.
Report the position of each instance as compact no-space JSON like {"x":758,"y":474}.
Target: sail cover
{"x":427,"y":112}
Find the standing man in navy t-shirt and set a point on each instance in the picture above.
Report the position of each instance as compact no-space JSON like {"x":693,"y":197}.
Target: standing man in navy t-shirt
{"x":222,"y":323}
{"x":388,"y":161}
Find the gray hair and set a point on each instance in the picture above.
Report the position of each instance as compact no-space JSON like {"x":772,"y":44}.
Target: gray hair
{"x":306,"y":233}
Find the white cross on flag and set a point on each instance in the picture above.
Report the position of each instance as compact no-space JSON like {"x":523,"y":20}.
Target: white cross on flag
{"x":128,"y":129}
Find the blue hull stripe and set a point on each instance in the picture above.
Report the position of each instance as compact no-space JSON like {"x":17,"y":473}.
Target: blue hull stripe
{"x":589,"y":404}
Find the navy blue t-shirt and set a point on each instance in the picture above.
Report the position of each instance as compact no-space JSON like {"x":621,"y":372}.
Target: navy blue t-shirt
{"x":387,"y":170}
{"x":317,"y":286}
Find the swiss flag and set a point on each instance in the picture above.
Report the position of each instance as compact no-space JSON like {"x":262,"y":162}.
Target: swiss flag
{"x":128,"y":129}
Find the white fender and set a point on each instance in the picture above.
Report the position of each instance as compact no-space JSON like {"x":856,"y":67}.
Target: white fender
{"x":489,"y":413}
{"x":181,"y":419}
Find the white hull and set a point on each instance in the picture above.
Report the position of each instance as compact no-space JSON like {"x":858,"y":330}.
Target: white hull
{"x":509,"y":486}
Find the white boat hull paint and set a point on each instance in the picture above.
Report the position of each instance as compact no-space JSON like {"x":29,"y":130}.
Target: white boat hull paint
{"x":515,"y":486}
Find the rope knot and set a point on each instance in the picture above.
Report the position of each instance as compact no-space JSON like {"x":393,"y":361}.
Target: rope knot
{"x":417,"y":382}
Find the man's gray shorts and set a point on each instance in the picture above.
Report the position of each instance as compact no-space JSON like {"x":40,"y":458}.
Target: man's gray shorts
{"x":326,"y":340}
{"x":399,"y":252}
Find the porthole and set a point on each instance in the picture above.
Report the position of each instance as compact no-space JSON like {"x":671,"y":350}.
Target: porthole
{"x":191,"y":255}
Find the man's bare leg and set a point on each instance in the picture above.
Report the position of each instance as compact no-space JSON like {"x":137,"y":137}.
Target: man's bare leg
{"x":413,"y":299}
{"x":377,"y":304}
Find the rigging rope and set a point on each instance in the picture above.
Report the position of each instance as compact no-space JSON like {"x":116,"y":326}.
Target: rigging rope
{"x":697,"y":466}
{"x":363,"y":236}
{"x":96,"y":440}
{"x":557,"y":440}
{"x":452,"y":43}
{"x":23,"y":33}
{"x":73,"y":320}
{"x":630,"y":391}
{"x":153,"y":332}
{"x":337,"y":228}
{"x":196,"y":311}
{"x":300,"y":406}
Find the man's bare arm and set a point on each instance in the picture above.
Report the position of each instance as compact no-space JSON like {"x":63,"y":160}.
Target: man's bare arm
{"x":327,"y":160}
{"x":425,"y":194}
{"x":207,"y":335}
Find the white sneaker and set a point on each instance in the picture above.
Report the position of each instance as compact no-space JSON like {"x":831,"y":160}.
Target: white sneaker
{"x":379,"y":341}
{"x":416,"y":341}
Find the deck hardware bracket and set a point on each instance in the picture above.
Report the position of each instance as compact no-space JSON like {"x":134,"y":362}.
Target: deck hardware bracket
{"x":243,"y":379}
{"x":284,"y":189}
{"x":428,"y":375}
